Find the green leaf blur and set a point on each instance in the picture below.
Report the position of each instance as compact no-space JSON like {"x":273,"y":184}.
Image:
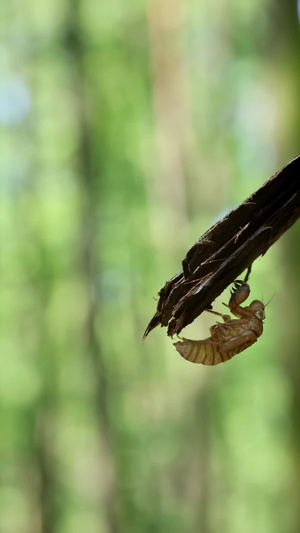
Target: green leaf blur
{"x":127,"y":129}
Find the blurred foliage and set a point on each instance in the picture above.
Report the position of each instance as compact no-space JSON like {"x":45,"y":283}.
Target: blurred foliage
{"x":127,"y":129}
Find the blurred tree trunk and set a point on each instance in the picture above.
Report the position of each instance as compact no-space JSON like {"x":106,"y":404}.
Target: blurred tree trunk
{"x":89,"y":266}
{"x":290,"y":338}
{"x":175,"y":142}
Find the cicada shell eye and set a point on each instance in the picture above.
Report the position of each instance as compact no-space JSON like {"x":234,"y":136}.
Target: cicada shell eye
{"x":260,"y":314}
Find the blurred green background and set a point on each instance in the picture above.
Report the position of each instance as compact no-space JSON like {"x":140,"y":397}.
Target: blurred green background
{"x":127,"y":129}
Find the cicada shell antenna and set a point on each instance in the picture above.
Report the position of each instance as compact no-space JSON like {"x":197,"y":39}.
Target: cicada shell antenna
{"x":270,"y":299}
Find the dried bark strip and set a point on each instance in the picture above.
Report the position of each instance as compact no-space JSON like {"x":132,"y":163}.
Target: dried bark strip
{"x":228,"y":248}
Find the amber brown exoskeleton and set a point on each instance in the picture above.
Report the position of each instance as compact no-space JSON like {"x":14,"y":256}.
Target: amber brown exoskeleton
{"x":231,"y":337}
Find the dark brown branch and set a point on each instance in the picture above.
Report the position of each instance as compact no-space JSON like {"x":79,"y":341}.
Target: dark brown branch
{"x":228,"y":248}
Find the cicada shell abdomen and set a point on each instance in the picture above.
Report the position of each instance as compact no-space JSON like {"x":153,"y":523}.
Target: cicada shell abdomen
{"x":204,"y":352}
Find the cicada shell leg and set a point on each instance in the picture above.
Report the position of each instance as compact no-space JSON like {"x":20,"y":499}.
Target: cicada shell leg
{"x":238,"y":344}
